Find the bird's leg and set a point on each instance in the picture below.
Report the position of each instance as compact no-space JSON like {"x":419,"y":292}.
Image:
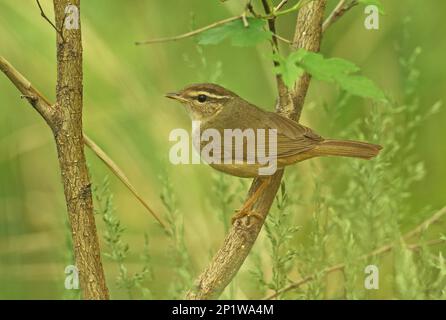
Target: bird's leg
{"x":246,"y":209}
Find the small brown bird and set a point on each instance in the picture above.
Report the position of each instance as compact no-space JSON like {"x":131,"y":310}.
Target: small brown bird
{"x":218,"y":108}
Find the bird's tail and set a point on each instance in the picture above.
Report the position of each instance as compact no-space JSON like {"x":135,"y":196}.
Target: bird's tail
{"x":347,"y":148}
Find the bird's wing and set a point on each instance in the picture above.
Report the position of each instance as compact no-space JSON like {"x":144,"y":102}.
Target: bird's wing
{"x":292,"y":138}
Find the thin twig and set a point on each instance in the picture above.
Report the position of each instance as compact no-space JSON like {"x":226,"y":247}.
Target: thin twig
{"x":121,"y":176}
{"x":385,"y":248}
{"x":280,"y":5}
{"x":425,"y":224}
{"x":282,"y":38}
{"x":270,"y":16}
{"x":338,"y":12}
{"x":282,"y":90}
{"x":191,"y":33}
{"x":42,"y":13}
{"x":35,"y":98}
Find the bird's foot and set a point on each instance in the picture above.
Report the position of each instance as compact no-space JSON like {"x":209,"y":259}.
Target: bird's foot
{"x":247,"y":209}
{"x":239,"y":214}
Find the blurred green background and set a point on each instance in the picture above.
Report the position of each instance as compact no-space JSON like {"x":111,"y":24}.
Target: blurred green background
{"x":126,"y":114}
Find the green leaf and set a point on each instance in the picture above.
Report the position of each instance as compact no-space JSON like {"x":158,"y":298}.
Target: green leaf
{"x":361,"y":86}
{"x":375,"y":3}
{"x":335,"y":70}
{"x":215,"y":35}
{"x":326,"y":69}
{"x":236,"y":31}
{"x":288,"y":68}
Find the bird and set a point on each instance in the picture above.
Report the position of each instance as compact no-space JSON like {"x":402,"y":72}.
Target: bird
{"x":220,"y":109}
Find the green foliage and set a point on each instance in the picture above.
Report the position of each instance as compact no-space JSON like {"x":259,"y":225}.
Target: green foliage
{"x":180,"y":260}
{"x":280,"y":231}
{"x":407,"y":274}
{"x":239,"y":34}
{"x":118,"y":250}
{"x":351,"y":219}
{"x":334,"y":70}
{"x":134,"y":113}
{"x":312,"y":253}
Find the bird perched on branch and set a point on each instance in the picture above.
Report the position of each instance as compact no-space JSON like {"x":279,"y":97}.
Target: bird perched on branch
{"x":220,"y":109}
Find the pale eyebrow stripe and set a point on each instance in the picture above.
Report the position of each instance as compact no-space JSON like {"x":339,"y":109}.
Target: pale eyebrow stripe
{"x":211,"y":95}
{"x":207,"y":93}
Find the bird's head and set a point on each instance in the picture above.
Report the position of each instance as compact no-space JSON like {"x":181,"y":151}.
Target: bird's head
{"x":203,"y":101}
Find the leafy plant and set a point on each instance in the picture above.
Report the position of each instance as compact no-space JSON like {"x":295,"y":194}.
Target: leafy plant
{"x":334,"y":70}
{"x":280,"y":231}
{"x":178,"y":253}
{"x":240,"y":35}
{"x":118,"y":250}
{"x":351,"y":220}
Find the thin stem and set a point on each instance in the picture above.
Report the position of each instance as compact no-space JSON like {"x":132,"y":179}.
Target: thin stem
{"x":42,"y":13}
{"x":280,"y":5}
{"x":121,"y":176}
{"x":338,"y":12}
{"x":425,"y":224}
{"x":282,"y":38}
{"x":294,"y":8}
{"x":191,"y":33}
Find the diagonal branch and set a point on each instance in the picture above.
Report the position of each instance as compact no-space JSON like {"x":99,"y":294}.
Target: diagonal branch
{"x":240,"y":239}
{"x":340,"y":9}
{"x":121,"y":176}
{"x":34,"y":97}
{"x":47,"y":110}
{"x":381,"y":250}
{"x":280,"y":5}
{"x":426,"y":224}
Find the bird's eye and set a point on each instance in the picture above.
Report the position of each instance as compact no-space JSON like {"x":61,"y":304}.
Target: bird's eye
{"x":202,"y":98}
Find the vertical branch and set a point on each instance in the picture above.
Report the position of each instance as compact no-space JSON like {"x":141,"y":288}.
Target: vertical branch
{"x":284,"y":101}
{"x":308,"y":36}
{"x":69,"y":140}
{"x":240,"y":239}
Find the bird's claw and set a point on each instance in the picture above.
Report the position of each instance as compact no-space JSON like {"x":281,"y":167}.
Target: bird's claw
{"x":245,"y":213}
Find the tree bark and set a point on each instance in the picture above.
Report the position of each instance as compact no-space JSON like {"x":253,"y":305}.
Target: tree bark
{"x":67,"y":130}
{"x":308,"y":35}
{"x":240,"y":239}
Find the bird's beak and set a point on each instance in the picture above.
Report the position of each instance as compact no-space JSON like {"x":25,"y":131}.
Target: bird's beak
{"x":175,"y":96}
